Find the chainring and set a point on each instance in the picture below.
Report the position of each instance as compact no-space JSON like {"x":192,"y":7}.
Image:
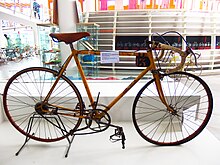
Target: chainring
{"x":98,"y":120}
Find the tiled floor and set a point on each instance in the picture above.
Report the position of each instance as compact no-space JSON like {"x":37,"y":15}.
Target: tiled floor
{"x":96,"y":149}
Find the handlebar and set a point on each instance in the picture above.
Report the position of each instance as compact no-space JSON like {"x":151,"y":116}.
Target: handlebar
{"x":163,"y":47}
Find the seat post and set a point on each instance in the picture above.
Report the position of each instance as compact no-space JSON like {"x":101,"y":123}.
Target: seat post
{"x":71,"y":46}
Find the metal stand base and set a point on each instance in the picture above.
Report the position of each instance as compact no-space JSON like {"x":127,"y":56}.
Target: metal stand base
{"x":25,"y":142}
{"x":70,"y":143}
{"x":117,"y":136}
{"x":27,"y":138}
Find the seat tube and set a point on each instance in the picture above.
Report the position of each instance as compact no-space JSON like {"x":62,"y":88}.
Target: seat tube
{"x":81,"y":72}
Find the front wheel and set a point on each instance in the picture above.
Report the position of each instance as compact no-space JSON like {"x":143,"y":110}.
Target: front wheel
{"x":24,"y":94}
{"x":190,"y":98}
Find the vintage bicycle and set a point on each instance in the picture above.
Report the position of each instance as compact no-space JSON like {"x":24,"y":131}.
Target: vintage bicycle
{"x":172,"y":108}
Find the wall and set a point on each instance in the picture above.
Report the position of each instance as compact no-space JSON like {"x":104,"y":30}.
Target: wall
{"x":67,"y":17}
{"x":1,"y":105}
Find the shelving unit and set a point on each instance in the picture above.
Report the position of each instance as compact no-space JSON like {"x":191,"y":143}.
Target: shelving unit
{"x":89,"y":62}
{"x":93,"y":29}
{"x":144,"y":23}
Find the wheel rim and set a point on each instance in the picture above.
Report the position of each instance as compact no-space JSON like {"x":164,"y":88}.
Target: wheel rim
{"x":28,"y":88}
{"x":191,"y":100}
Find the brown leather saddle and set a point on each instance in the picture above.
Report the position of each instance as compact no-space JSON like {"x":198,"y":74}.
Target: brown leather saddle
{"x":69,"y":38}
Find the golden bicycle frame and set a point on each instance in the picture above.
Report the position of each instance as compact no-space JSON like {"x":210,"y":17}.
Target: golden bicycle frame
{"x":152,"y":67}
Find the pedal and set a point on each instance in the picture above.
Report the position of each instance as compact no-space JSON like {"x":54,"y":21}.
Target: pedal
{"x":118,"y":136}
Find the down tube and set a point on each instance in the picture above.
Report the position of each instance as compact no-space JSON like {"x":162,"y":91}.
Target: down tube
{"x":127,"y":89}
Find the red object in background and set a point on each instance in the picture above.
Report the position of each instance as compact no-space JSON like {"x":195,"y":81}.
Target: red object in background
{"x":104,"y":4}
{"x":133,"y":4}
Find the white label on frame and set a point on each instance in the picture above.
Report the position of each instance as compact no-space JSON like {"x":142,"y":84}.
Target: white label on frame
{"x":109,"y":57}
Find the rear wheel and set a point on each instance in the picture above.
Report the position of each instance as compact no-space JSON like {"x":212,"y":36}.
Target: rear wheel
{"x":189,"y":97}
{"x":24,"y":94}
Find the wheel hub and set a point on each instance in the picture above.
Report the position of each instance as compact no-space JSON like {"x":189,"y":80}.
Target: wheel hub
{"x":174,"y":110}
{"x":41,"y":108}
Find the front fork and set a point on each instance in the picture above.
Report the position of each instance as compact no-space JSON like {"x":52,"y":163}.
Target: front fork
{"x":157,"y":76}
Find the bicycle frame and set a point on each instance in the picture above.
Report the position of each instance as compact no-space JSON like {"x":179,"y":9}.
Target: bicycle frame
{"x":151,"y":67}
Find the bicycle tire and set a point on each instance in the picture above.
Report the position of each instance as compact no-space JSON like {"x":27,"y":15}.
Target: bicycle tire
{"x":187,"y":94}
{"x":27,"y":88}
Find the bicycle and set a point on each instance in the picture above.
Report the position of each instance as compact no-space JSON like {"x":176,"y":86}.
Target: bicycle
{"x":13,"y":54}
{"x":170,"y":109}
{"x":2,"y":56}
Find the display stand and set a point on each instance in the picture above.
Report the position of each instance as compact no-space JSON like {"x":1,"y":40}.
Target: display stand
{"x":51,"y":59}
{"x":59,"y":125}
